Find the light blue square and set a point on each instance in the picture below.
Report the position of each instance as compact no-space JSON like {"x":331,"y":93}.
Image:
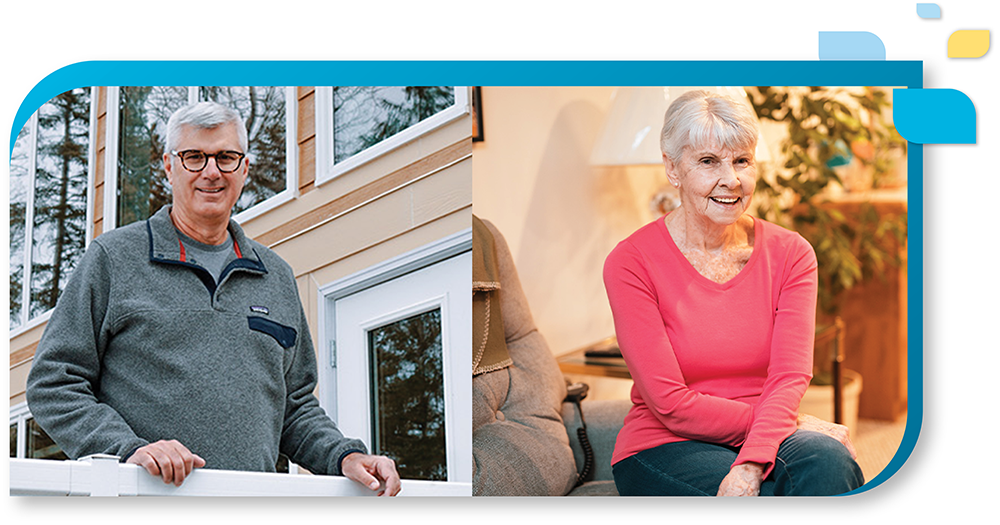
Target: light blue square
{"x":928,"y":11}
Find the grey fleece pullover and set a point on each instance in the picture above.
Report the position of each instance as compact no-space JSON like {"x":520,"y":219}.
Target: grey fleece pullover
{"x":144,"y":346}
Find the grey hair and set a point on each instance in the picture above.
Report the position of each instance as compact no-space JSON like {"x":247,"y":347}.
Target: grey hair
{"x":697,"y":118}
{"x":204,"y":115}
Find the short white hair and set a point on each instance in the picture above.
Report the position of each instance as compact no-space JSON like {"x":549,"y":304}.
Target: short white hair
{"x":700,"y":117}
{"x":204,"y":115}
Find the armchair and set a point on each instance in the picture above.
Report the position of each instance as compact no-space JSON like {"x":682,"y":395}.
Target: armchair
{"x":524,"y":434}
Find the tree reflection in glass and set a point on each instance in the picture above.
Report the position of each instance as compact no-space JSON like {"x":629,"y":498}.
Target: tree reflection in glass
{"x":60,"y":197}
{"x":408,"y":395}
{"x":19,"y":180}
{"x":142,"y":183}
{"x":365,"y":115}
{"x":263,"y":112}
{"x":40,"y":445}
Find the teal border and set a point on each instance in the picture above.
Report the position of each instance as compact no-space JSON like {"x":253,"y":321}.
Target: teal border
{"x":908,"y":74}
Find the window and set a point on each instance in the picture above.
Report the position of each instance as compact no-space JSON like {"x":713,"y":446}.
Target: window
{"x":50,"y":173}
{"x":28,"y":440}
{"x":355,"y":124}
{"x":397,"y":374}
{"x":140,"y":123}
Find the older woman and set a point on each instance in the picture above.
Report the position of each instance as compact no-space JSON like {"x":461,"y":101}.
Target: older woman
{"x":715,"y":315}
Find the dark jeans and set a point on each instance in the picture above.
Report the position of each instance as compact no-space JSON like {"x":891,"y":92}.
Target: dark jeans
{"x":808,"y":464}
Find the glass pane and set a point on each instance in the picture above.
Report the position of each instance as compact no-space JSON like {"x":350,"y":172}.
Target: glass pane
{"x":364,"y":116}
{"x":263,"y":112}
{"x":60,"y":207}
{"x":143,"y":113}
{"x":40,"y":445}
{"x":281,"y":465}
{"x":13,"y":440}
{"x":20,"y":165}
{"x":408,"y":397}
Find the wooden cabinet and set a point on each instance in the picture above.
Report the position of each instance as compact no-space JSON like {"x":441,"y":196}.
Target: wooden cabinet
{"x":875,"y":340}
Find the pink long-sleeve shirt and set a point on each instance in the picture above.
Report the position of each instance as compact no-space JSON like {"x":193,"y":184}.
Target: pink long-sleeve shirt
{"x":722,"y":363}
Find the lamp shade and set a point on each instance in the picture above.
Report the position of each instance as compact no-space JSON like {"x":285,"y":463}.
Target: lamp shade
{"x":631,"y":131}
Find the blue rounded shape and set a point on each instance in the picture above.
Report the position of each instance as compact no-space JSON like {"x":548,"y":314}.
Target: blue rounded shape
{"x":850,"y":45}
{"x":934,"y":116}
{"x":928,"y":11}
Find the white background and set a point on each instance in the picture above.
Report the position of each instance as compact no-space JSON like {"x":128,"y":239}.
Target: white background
{"x":951,"y":472}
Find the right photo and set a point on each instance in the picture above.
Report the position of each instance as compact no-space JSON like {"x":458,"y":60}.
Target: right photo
{"x":687,"y":291}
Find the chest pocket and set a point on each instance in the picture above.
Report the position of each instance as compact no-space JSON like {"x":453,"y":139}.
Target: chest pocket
{"x":284,"y":335}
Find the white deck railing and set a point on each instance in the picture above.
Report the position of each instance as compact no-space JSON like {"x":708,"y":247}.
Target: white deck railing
{"x":105,"y":476}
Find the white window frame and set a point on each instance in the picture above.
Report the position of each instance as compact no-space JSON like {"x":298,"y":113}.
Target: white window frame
{"x":456,"y":418}
{"x":291,"y":159}
{"x":27,"y":322}
{"x":19,"y":415}
{"x":327,"y":170}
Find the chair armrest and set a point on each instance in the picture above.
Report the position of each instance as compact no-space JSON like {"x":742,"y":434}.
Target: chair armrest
{"x":604,"y":419}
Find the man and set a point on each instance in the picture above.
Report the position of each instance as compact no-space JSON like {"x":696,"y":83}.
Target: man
{"x":179,"y":343}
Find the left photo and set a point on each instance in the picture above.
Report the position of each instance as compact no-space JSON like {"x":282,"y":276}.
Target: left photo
{"x":242,"y":291}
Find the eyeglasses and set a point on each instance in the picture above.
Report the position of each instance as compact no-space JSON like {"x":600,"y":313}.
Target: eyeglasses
{"x":194,"y":160}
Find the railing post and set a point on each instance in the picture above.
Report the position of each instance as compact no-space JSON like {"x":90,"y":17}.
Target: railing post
{"x":103,"y":475}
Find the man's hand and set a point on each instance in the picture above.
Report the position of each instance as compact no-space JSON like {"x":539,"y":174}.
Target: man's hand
{"x":372,"y":472}
{"x":167,"y":459}
{"x":743,"y":480}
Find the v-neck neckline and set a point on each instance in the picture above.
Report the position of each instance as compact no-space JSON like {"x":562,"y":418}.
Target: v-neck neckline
{"x":695,"y":274}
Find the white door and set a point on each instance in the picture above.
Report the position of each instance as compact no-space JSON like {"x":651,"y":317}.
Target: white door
{"x":404,"y":369}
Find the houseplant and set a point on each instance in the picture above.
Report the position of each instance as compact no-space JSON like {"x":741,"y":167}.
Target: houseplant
{"x":828,"y":135}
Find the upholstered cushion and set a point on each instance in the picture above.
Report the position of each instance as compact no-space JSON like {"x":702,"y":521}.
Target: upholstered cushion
{"x":604,"y":419}
{"x":519,"y":441}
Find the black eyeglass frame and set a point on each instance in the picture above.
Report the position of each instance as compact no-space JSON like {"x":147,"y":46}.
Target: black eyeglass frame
{"x":180,"y":155}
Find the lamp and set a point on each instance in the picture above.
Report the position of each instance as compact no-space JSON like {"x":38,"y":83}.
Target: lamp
{"x":631,"y":132}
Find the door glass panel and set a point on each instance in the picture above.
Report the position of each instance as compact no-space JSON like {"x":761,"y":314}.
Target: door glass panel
{"x":408,"y":407}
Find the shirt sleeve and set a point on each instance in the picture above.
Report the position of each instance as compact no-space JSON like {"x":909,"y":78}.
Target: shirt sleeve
{"x":791,"y":360}
{"x":65,"y":373}
{"x":642,"y":337}
{"x":309,"y":437}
